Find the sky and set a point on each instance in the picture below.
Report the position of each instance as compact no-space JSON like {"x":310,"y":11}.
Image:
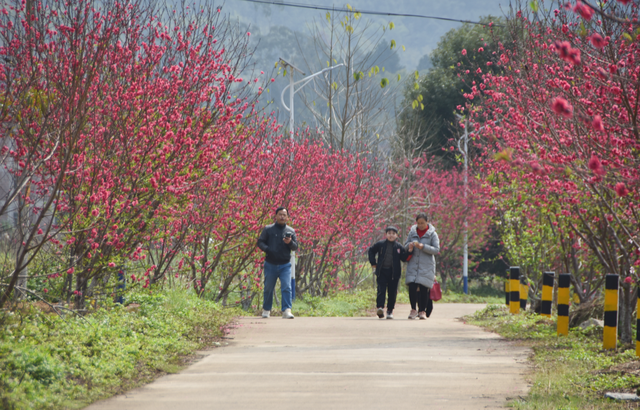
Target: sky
{"x":419,"y":36}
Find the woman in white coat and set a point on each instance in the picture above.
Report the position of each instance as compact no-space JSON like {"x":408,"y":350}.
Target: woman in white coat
{"x":423,"y":244}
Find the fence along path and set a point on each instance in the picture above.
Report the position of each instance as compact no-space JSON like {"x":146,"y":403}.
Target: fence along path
{"x":345,"y":363}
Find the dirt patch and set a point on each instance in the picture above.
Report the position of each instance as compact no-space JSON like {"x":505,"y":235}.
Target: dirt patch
{"x":545,"y":321}
{"x":584,"y":311}
{"x":44,"y":307}
{"x":132,"y":307}
{"x":632,"y":368}
{"x":624,"y":370}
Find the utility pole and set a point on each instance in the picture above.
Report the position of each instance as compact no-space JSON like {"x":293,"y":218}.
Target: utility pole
{"x":465,"y":251}
{"x":292,"y":89}
{"x":292,"y":92}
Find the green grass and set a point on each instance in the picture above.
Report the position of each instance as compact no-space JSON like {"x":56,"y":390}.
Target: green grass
{"x":343,"y":304}
{"x":49,"y":362}
{"x":568,"y":372}
{"x":454,"y":297}
{"x":363,"y":302}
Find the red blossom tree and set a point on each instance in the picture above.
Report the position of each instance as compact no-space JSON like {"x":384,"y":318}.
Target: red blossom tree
{"x":561,"y":123}
{"x":142,"y":111}
{"x":441,"y":194}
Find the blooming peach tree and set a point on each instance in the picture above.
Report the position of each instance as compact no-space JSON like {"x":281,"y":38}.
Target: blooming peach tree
{"x":134,"y":141}
{"x":559,"y":132}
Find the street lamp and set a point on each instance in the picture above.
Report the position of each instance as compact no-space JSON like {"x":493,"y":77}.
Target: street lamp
{"x":292,"y":89}
{"x":465,"y":152}
{"x":465,"y":251}
{"x":292,"y":92}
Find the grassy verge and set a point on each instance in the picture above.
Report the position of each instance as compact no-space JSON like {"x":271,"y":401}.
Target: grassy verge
{"x":50,"y":362}
{"x":568,"y":372}
{"x":363,"y":302}
{"x":343,"y":304}
{"x":454,"y":297}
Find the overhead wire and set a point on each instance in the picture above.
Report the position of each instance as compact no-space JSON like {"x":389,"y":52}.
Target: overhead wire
{"x":370,"y":12}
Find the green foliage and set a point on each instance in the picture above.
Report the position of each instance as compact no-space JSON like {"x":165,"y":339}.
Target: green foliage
{"x":571,"y":372}
{"x":481,"y":295}
{"x":529,"y":241}
{"x":535,"y":234}
{"x":441,"y":88}
{"x":340,"y":304}
{"x":49,"y":362}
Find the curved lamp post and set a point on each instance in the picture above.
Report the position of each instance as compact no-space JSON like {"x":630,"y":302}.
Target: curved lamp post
{"x":465,"y":251}
{"x":292,"y":91}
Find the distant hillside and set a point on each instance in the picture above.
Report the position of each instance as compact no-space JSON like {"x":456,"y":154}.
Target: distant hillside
{"x":418,"y":35}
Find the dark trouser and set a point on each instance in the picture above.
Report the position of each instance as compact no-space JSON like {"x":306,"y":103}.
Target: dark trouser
{"x":422,"y":295}
{"x":385,"y":281}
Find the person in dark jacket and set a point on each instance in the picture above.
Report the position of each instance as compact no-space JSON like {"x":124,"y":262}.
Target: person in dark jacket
{"x":385,"y":257}
{"x":277,"y":241}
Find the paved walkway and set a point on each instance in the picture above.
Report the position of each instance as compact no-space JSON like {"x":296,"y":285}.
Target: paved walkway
{"x":345,"y":363}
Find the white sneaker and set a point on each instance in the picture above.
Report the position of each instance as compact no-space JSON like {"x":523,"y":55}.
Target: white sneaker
{"x":389,"y":315}
{"x":287,"y":314}
{"x":380,"y":313}
{"x":266,"y":314}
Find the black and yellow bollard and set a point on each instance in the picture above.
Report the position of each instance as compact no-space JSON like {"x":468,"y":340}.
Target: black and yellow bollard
{"x":638,"y":324}
{"x":564,"y":280}
{"x":506,"y":291}
{"x":610,"y":334}
{"x":524,"y":293}
{"x":547,"y":293}
{"x":514,"y":286}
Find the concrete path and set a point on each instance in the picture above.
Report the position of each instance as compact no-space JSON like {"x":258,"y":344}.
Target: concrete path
{"x":345,"y":363}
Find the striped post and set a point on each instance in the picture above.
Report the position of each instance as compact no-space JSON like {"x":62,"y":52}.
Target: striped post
{"x":610,"y":334}
{"x":524,"y":292}
{"x":547,"y":293}
{"x":638,"y":324}
{"x":564,"y":280}
{"x":514,"y":286}
{"x":506,"y":291}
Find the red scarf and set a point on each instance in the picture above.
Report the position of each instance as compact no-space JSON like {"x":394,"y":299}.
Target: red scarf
{"x":421,"y":232}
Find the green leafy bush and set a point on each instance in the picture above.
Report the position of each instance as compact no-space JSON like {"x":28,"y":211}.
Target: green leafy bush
{"x":51,"y":362}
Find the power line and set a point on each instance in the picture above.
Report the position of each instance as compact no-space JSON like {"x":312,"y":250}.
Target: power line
{"x":375,"y":13}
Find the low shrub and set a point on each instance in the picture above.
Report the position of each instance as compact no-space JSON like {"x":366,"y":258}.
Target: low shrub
{"x":51,"y":362}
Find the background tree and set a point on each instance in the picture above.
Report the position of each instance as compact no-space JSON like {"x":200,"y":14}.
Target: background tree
{"x":351,"y":105}
{"x":440,"y":193}
{"x":440,"y":91}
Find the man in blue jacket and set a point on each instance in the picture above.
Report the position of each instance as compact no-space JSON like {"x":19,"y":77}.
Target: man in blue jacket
{"x":277,"y":241}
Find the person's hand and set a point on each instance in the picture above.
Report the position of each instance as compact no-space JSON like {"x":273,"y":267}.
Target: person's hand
{"x":374,"y":267}
{"x":287,"y":240}
{"x":410,"y":249}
